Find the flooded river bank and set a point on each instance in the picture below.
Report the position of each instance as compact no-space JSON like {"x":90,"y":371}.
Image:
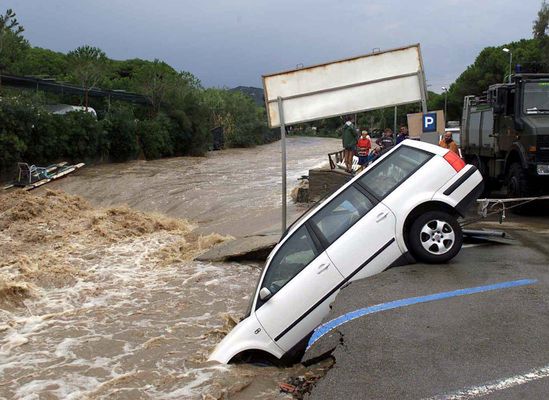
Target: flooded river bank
{"x":98,"y":300}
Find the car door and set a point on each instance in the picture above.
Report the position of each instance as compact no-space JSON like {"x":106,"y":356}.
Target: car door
{"x":358,"y":232}
{"x":298,"y":277}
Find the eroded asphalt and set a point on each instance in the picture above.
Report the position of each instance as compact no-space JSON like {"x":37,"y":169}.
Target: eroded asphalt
{"x":492,"y":344}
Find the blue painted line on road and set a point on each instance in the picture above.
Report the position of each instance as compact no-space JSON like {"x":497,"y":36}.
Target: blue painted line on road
{"x":331,"y":325}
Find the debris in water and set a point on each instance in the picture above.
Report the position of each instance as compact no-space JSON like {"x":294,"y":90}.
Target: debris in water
{"x":301,"y":385}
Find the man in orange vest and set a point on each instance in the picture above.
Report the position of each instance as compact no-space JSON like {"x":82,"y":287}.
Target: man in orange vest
{"x":448,"y":143}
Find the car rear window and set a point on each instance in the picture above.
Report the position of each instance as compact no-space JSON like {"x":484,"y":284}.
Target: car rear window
{"x":394,"y":169}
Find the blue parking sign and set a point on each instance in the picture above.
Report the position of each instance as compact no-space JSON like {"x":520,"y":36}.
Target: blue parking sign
{"x":430,"y":122}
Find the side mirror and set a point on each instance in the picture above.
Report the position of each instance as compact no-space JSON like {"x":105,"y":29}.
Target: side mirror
{"x":265,"y":294}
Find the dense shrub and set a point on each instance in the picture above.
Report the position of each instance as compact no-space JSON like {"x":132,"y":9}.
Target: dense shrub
{"x":16,"y":124}
{"x":154,"y":137}
{"x":47,"y":140}
{"x":85,"y":137}
{"x":120,"y":128}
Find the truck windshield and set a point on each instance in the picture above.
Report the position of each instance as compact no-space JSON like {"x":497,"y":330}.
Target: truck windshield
{"x":536,"y":97}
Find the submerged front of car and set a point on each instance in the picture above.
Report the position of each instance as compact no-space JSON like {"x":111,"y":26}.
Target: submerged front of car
{"x":248,"y":335}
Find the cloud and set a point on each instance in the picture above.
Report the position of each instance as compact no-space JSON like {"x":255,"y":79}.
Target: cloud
{"x":230,"y":43}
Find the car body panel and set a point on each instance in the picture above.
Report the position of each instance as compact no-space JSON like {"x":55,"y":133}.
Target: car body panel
{"x":296,"y":298}
{"x":362,"y":240}
{"x":247,"y":335}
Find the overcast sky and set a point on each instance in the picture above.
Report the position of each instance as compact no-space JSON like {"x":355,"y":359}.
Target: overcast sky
{"x":233,"y":42}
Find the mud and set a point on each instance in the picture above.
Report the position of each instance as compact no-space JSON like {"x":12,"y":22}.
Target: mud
{"x":100,"y":300}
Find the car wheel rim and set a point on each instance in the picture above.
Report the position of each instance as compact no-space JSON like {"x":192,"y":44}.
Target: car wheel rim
{"x":437,"y":237}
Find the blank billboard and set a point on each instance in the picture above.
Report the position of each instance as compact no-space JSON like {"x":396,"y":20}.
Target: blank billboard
{"x":376,"y":80}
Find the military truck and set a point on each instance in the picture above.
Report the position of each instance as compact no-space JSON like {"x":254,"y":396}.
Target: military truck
{"x":505,"y":133}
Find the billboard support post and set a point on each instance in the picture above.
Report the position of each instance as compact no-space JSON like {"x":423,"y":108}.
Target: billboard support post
{"x":395,"y":123}
{"x":283,"y":151}
{"x":422,"y":89}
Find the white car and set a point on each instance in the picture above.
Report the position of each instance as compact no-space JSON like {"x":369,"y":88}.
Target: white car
{"x":406,"y":203}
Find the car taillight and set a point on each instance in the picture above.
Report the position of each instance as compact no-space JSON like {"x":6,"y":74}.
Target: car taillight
{"x":454,"y":160}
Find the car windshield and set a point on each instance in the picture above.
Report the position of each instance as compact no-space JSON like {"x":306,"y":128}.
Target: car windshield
{"x":536,"y":97}
{"x":294,"y":255}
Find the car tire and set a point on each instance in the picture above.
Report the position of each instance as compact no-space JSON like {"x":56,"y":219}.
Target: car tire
{"x":435,"y":237}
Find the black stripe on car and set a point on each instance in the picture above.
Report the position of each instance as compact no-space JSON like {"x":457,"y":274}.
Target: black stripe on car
{"x":335,"y":289}
{"x":460,"y":181}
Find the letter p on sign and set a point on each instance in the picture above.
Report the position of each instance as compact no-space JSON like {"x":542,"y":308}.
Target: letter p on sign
{"x":430,"y":122}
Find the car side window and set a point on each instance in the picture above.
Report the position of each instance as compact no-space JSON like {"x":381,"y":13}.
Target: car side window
{"x":393,"y":170}
{"x":294,"y":255}
{"x":341,"y":213}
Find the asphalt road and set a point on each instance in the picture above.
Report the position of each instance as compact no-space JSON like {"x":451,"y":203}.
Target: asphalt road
{"x":493,"y":343}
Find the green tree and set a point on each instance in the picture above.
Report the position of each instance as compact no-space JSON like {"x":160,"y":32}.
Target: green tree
{"x":88,"y":65}
{"x":120,"y":128}
{"x":540,"y":31}
{"x":490,"y":67}
{"x":42,"y":62}
{"x":242,"y":120}
{"x":154,"y":80}
{"x":12,"y":43}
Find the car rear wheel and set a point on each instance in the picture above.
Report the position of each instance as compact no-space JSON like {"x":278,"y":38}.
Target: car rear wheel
{"x":435,"y":237}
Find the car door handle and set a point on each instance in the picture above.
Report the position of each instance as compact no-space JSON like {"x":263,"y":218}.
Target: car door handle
{"x":322,"y":268}
{"x":381,"y":216}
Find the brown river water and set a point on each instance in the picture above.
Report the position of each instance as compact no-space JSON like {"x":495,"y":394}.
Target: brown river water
{"x":99,"y":296}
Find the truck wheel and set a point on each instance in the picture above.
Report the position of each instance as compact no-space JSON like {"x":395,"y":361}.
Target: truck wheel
{"x":517,"y":181}
{"x":435,"y":237}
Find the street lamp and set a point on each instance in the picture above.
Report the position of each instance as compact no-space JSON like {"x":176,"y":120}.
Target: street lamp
{"x":445,"y":89}
{"x":506,"y":50}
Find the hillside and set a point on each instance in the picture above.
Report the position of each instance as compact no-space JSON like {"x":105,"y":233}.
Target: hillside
{"x":255,"y":93}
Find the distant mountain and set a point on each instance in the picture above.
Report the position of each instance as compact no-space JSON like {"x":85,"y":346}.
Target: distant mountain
{"x":255,"y":93}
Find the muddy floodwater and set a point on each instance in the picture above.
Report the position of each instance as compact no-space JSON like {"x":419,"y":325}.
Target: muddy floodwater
{"x":214,"y":191}
{"x":99,"y":296}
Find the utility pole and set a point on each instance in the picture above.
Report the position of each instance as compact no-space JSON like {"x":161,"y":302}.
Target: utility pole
{"x":445,"y":89}
{"x":506,"y":50}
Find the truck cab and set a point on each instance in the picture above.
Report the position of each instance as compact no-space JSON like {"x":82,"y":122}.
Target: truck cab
{"x":506,"y":134}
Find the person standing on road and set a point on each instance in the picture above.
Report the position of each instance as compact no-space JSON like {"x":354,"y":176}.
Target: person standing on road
{"x":363,"y":147}
{"x":402,"y":134}
{"x":386,"y":141}
{"x":448,"y":143}
{"x":349,"y":145}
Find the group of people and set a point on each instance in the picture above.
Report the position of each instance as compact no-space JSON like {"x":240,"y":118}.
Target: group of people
{"x":362,"y":146}
{"x":367,"y":153}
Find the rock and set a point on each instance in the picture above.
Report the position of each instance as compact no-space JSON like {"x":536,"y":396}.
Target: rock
{"x":247,"y":248}
{"x":300,"y":194}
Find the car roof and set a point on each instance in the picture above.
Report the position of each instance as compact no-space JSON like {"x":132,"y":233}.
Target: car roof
{"x":431,"y":148}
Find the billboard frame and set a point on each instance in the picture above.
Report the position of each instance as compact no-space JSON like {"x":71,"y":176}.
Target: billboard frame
{"x":419,"y":73}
